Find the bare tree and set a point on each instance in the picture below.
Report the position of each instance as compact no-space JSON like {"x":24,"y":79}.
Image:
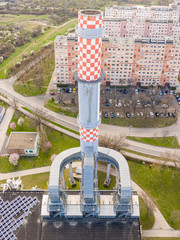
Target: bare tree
{"x":113,"y":142}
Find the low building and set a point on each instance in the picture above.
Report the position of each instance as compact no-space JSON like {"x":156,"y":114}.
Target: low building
{"x":2,"y":112}
{"x":23,"y":143}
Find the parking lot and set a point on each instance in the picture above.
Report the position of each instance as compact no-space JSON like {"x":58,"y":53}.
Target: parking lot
{"x":127,"y":103}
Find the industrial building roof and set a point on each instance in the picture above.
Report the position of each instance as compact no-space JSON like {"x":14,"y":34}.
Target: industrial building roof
{"x":67,"y":229}
{"x":22,"y":140}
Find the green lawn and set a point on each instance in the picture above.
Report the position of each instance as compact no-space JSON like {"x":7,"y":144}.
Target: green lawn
{"x":59,"y":141}
{"x":3,"y":104}
{"x":9,"y":18}
{"x":36,"y":43}
{"x":163,"y":185}
{"x":57,"y":108}
{"x":146,"y":216}
{"x":170,"y":142}
{"x":140,"y":123}
{"x":45,"y":68}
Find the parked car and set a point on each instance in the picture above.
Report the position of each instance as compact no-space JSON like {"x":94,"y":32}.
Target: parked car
{"x":112,"y":115}
{"x":156,"y":114}
{"x":74,"y":90}
{"x":136,"y":91}
{"x":58,"y":90}
{"x":70,"y":90}
{"x":132,"y":115}
{"x":107,"y":104}
{"x":151,"y":114}
{"x":106,"y":115}
{"x":117,"y":115}
{"x":164,"y":105}
{"x":110,"y":100}
{"x":52,"y":93}
{"x":127,"y":115}
{"x":141,"y":114}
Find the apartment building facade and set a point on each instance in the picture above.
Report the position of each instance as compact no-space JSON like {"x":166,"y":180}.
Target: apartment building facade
{"x":124,"y":61}
{"x":116,"y":27}
{"x":133,"y":12}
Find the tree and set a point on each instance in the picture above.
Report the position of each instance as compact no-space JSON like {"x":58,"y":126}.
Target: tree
{"x":13,"y":158}
{"x":113,"y":142}
{"x":12,"y":125}
{"x":53,"y":157}
{"x":47,"y":146}
{"x":20,"y":121}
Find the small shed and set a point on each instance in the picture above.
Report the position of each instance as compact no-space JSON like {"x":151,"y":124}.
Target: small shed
{"x":2,"y":112}
{"x":23,"y":143}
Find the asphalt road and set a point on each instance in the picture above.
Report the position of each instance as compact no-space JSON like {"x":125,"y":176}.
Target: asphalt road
{"x":34,"y":103}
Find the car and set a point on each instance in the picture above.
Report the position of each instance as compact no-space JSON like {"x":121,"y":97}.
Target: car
{"x":118,"y":103}
{"x":70,"y":90}
{"x":106,"y":115}
{"x":52,"y":93}
{"x":136,"y":91}
{"x":156,"y":114}
{"x":171,"y":92}
{"x":132,"y":115}
{"x":138,"y":102}
{"x":178,"y":99}
{"x":161,"y":115}
{"x":179,"y":103}
{"x":137,"y":114}
{"x":117,"y":115}
{"x":58,"y":90}
{"x":112,"y":115}
{"x":151,"y":114}
{"x":166,"y":115}
{"x":110,"y":100}
{"x":111,"y":91}
{"x":141,"y":114}
{"x":117,"y":91}
{"x":107,"y":90}
{"x":125,"y":91}
{"x":164,"y":105}
{"x":147,"y":115}
{"x":74,"y":90}
{"x":67,"y":90}
{"x":127,"y":115}
{"x":107,"y":104}
{"x":169,"y":114}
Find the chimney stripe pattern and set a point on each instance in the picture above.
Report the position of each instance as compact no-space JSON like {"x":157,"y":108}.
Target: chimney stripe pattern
{"x":90,"y":22}
{"x":90,"y":25}
{"x":89,"y":135}
{"x":89,"y":59}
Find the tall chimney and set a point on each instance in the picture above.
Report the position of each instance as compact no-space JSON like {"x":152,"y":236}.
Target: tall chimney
{"x":90,"y":27}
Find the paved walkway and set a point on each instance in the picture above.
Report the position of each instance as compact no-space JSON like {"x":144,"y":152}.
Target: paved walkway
{"x":4,"y":126}
{"x":151,"y":160}
{"x":160,"y":229}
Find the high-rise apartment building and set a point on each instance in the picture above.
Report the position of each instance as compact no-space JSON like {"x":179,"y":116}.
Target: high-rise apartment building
{"x":157,"y":13}
{"x":124,"y":61}
{"x":116,"y":27}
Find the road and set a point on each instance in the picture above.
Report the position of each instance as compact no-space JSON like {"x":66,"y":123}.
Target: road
{"x":34,"y":103}
{"x":4,"y":126}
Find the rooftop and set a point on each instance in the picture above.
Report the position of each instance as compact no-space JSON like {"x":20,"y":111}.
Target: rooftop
{"x":76,"y":229}
{"x":21,"y":140}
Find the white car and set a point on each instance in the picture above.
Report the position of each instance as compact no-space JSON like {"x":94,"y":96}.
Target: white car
{"x":117,"y":115}
{"x":151,"y":114}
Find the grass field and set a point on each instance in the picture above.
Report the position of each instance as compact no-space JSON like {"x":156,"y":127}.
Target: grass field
{"x":147,"y":218}
{"x":170,"y":142}
{"x":57,"y":108}
{"x":59,"y":141}
{"x":140,"y":123}
{"x":27,"y":85}
{"x":35,"y":44}
{"x":9,"y":18}
{"x":163,"y":186}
